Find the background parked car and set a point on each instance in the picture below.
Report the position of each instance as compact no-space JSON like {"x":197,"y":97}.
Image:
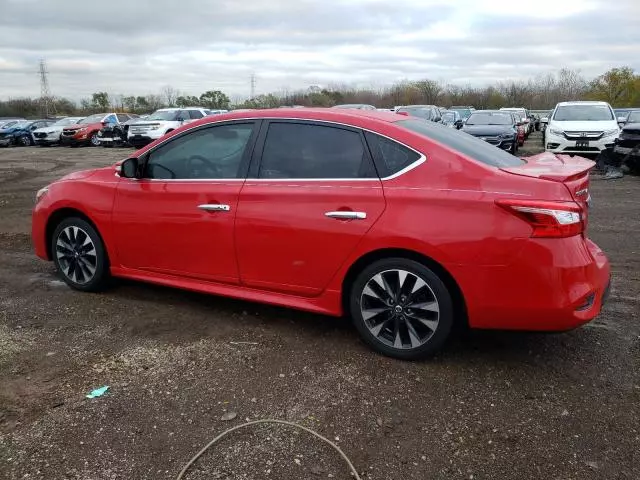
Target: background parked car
{"x":50,"y":135}
{"x":452,"y":119}
{"x":581,"y":127}
{"x":426,"y":112}
{"x":627,"y":145}
{"x":115,"y":135}
{"x":85,"y":132}
{"x":5,"y":121}
{"x":160,"y":123}
{"x":495,"y":127}
{"x":463,"y":110}
{"x":21,"y":132}
{"x":524,"y":118}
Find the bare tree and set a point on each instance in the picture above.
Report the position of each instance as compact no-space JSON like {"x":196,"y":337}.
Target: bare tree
{"x":169,"y":95}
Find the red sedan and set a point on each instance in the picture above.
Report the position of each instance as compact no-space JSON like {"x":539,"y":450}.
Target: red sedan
{"x":407,"y":226}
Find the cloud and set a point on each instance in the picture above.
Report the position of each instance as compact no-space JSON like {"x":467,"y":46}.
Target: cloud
{"x":137,"y":47}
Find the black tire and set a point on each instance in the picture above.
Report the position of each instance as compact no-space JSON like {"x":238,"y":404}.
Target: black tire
{"x":77,"y":276}
{"x":25,"y":141}
{"x":93,"y":140}
{"x":434,"y":338}
{"x":514,"y":147}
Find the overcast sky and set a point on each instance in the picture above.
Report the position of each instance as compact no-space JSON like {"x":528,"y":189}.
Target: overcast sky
{"x":139,"y":46}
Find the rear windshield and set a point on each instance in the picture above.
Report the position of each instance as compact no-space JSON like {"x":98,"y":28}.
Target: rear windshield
{"x":594,"y":113}
{"x":464,"y":143}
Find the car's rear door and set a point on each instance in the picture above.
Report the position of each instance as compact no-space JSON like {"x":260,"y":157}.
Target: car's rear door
{"x":178,"y":219}
{"x":311,"y":195}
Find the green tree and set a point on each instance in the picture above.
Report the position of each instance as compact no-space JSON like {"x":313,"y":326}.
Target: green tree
{"x":187,"y":101}
{"x":214,"y":99}
{"x":100,"y":100}
{"x":618,"y":86}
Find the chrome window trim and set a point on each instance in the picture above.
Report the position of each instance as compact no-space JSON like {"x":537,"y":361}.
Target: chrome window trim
{"x":406,"y":169}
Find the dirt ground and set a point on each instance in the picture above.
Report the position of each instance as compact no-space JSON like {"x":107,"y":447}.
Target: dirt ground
{"x":493,"y":405}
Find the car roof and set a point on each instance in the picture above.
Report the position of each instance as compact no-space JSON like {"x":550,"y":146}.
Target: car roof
{"x":356,"y":118}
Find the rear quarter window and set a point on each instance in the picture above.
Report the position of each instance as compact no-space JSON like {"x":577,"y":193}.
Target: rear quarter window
{"x":462,"y":142}
{"x":390,"y":157}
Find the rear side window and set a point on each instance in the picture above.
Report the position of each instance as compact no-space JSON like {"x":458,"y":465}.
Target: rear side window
{"x":296,"y":150}
{"x":390,"y":156}
{"x":195,"y":114}
{"x":462,"y":142}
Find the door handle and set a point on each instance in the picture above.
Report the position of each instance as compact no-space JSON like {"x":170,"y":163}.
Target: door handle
{"x":346,"y":215}
{"x":214,"y":207}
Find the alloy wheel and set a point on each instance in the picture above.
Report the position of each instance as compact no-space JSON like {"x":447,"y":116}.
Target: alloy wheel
{"x":95,"y":141}
{"x":400,"y":309}
{"x":76,"y":254}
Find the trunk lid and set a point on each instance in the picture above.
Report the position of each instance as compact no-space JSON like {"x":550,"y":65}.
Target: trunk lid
{"x":573,"y":172}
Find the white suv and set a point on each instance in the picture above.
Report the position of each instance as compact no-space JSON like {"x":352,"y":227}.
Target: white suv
{"x":581,"y":127}
{"x":161,"y":122}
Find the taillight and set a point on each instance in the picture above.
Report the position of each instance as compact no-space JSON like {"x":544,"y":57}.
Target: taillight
{"x":548,"y":219}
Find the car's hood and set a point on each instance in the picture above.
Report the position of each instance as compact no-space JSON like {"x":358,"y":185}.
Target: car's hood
{"x":145,"y":123}
{"x":487,"y":130}
{"x":584,"y":126}
{"x":80,"y":175}
{"x":10,"y":130}
{"x":631,"y":127}
{"x":57,"y":128}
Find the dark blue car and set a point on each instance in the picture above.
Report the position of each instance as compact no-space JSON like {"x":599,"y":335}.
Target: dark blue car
{"x":21,"y":132}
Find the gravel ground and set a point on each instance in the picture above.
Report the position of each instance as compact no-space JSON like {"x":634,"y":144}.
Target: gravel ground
{"x":493,"y":405}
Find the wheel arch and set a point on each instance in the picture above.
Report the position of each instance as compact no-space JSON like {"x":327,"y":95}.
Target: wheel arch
{"x":58,"y":216}
{"x":459,"y":303}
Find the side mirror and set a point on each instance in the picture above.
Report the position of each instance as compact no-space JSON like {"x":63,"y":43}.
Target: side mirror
{"x":129,"y":168}
{"x":524,"y":119}
{"x":544,"y":120}
{"x":622,"y":119}
{"x":458,"y":124}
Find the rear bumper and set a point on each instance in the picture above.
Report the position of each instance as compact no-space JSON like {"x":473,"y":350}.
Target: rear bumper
{"x":556,"y":285}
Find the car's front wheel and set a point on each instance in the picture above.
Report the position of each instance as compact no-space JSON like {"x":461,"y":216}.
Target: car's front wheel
{"x":79,"y":255}
{"x":401,"y":308}
{"x":25,"y":141}
{"x":94,"y":140}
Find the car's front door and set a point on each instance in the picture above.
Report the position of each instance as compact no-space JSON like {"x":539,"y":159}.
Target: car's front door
{"x":311,"y":195}
{"x":178,"y":218}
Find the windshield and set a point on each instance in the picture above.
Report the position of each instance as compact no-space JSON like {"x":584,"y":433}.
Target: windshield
{"x":634,"y":117}
{"x":166,"y":115}
{"x":464,"y":112}
{"x":92,"y":119}
{"x":67,"y":121}
{"x":464,"y":143}
{"x":9,"y":124}
{"x":590,"y":113}
{"x":18,"y":124}
{"x":490,"y":119}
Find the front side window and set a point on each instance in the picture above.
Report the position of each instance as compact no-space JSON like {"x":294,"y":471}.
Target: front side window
{"x":634,"y":117}
{"x":295,"y":150}
{"x":122,"y":117}
{"x":390,"y":156}
{"x":195,"y":114}
{"x":209,"y":153}
{"x":111,"y":119}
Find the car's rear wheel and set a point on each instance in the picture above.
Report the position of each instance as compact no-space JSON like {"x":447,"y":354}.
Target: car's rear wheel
{"x":401,"y":308}
{"x":79,"y":255}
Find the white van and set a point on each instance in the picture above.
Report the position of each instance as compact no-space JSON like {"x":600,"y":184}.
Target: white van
{"x":581,"y":127}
